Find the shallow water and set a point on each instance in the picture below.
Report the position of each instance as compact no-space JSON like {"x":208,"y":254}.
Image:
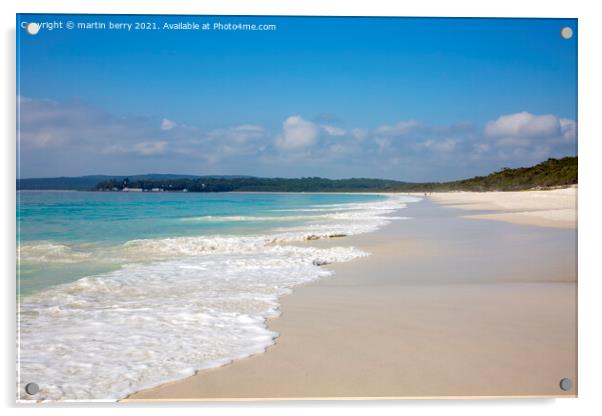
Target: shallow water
{"x":64,"y":236}
{"x":121,"y":292}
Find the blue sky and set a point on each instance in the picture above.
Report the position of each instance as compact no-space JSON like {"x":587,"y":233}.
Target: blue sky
{"x":405,"y":98}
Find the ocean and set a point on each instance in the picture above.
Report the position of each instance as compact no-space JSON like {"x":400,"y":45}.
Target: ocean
{"x":118,"y":292}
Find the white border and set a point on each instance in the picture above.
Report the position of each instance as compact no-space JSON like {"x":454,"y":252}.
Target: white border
{"x":590,"y":137}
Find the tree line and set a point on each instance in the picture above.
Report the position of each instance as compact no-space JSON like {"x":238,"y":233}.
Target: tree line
{"x":550,"y":173}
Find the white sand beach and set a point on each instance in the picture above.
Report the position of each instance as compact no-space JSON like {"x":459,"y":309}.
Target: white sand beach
{"x":553,"y":208}
{"x":448,"y":304}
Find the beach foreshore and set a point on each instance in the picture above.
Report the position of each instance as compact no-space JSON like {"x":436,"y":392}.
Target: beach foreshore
{"x":553,"y":208}
{"x":448,"y":304}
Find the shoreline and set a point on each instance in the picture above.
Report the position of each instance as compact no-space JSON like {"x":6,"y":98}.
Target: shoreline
{"x":213,"y":316}
{"x":274,"y":374}
{"x":384,"y":193}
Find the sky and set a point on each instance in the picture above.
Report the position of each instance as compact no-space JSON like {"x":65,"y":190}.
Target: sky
{"x":414,"y":99}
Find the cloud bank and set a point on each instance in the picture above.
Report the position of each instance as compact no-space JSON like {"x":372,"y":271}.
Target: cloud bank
{"x":75,"y":139}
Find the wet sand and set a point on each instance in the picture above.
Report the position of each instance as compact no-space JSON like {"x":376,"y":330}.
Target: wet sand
{"x":445,"y":306}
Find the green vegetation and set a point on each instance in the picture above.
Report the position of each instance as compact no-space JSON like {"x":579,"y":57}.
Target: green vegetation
{"x":80,"y":183}
{"x":88,"y":183}
{"x":251,"y":184}
{"x":549,"y":174}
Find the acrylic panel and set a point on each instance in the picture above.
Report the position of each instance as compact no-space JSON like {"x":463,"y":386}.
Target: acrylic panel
{"x":286,"y":207}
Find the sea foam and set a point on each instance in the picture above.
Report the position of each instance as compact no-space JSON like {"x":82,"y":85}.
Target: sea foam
{"x":48,"y":252}
{"x":179,"y":305}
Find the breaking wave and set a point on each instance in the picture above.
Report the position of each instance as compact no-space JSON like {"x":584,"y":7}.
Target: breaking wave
{"x":176,"y":306}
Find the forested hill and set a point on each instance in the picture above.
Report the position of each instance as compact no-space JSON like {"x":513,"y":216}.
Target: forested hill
{"x":548,"y":174}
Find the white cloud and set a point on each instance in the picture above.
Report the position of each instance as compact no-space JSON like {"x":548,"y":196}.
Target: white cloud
{"x":79,"y":129}
{"x":297,"y":134}
{"x":41,"y":138}
{"x":167,"y":124}
{"x":444,"y":146}
{"x":334,"y":131}
{"x":521,"y":129}
{"x":45,"y":123}
{"x":398,"y":129}
{"x":74,"y":138}
{"x":229,"y":142}
{"x":237,"y":134}
{"x":359,"y":134}
{"x":568,"y":128}
{"x":526,"y":137}
{"x":149,"y":148}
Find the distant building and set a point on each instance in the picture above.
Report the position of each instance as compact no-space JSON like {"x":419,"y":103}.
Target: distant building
{"x":184,"y":190}
{"x":126,"y":189}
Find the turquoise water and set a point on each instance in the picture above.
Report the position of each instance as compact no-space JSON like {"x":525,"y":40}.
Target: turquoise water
{"x":64,"y":236}
{"x":120,"y":291}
